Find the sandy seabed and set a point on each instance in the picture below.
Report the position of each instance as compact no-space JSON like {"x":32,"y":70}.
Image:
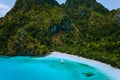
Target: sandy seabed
{"x":111,"y":72}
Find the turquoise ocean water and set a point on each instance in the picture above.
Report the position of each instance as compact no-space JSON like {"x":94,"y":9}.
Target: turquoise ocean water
{"x":46,"y":68}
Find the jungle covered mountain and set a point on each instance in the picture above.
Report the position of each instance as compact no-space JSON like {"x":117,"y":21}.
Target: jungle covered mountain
{"x":80,"y":27}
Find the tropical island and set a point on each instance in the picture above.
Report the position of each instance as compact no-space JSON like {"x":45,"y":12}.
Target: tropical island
{"x":78,"y":27}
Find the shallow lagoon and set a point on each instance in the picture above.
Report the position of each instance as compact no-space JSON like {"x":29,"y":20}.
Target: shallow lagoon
{"x":46,"y":68}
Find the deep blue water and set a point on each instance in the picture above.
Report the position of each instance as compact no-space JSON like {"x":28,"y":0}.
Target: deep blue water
{"x":46,"y":68}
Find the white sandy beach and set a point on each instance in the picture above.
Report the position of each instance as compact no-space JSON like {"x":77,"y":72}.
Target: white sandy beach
{"x":113,"y":73}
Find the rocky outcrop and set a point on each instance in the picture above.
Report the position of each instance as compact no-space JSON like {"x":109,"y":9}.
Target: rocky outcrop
{"x":65,"y":25}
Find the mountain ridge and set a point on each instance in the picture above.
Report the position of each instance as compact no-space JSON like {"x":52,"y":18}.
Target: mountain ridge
{"x":26,"y":5}
{"x":93,"y":4}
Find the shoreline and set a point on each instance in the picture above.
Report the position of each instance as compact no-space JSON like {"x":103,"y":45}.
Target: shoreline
{"x":110,"y":71}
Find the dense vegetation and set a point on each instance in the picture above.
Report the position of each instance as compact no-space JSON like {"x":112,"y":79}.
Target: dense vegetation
{"x":79,"y":27}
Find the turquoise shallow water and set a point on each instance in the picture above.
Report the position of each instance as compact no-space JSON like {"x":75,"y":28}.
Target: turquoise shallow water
{"x":46,"y":68}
